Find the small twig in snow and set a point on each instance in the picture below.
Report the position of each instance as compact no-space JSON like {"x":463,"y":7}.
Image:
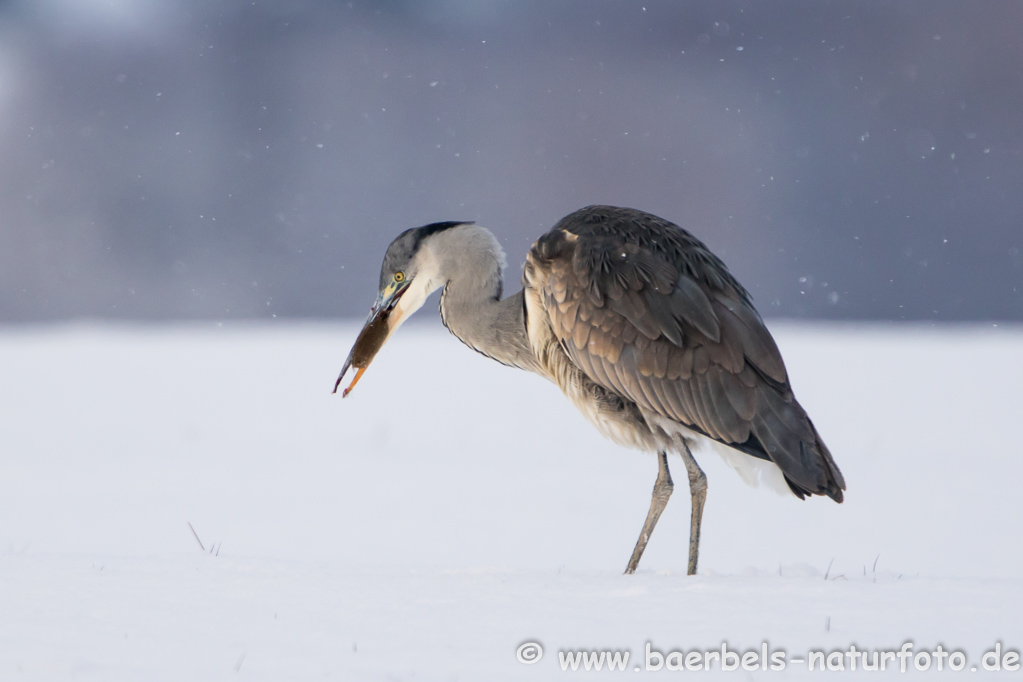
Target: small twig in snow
{"x":196,"y":536}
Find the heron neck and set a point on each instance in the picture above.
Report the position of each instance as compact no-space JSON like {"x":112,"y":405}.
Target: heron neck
{"x":486,"y":324}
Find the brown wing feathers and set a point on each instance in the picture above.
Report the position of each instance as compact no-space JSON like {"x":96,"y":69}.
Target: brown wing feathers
{"x":647,"y":311}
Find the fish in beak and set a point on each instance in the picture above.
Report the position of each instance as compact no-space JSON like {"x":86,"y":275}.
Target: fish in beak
{"x":384,"y":318}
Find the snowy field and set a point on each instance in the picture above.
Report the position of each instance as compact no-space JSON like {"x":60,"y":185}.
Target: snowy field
{"x":451,"y":510}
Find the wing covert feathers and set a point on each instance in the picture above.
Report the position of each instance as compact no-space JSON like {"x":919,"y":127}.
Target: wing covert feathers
{"x":645,"y":310}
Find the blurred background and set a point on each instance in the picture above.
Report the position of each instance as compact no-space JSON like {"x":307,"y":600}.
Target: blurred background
{"x":175,"y":159}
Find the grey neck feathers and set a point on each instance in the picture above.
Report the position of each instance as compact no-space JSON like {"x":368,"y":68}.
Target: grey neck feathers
{"x":470,"y":262}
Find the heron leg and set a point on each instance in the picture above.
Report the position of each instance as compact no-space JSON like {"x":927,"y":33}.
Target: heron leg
{"x":662,"y":491}
{"x":698,"y":490}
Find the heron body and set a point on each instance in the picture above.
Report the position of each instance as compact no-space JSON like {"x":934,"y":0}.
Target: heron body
{"x":640,"y":325}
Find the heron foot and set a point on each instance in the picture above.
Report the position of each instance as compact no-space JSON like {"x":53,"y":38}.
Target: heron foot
{"x":698,"y":490}
{"x":662,"y":491}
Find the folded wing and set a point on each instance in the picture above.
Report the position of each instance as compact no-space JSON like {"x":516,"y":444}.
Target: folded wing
{"x":644,"y":309}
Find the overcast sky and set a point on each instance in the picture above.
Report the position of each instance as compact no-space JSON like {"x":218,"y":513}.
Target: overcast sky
{"x":197,"y":159}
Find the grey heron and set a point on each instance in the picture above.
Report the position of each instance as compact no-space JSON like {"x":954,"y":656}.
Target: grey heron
{"x":640,"y":325}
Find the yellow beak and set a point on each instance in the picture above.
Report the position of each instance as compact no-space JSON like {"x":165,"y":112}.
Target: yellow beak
{"x":383,"y":318}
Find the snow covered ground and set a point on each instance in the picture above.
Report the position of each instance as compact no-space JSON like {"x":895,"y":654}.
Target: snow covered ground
{"x":451,"y":510}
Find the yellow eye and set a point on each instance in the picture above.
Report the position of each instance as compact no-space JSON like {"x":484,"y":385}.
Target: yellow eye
{"x":399,"y":277}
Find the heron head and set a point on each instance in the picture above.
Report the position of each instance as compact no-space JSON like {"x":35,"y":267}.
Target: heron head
{"x":408,"y":276}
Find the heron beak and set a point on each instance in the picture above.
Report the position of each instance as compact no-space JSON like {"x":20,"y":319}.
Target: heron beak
{"x":382,"y":320}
